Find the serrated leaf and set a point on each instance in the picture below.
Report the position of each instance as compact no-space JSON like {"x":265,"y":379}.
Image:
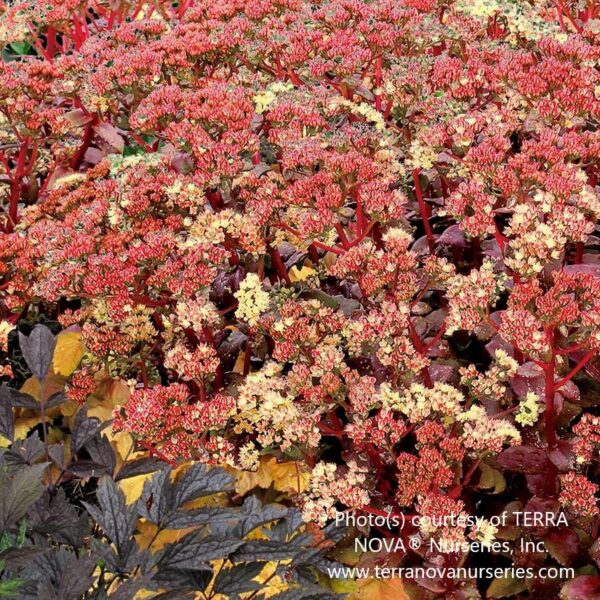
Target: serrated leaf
{"x":87,"y":468}
{"x":253,"y":515}
{"x":116,"y":520}
{"x":379,"y":589}
{"x":38,"y":349}
{"x":193,"y":551}
{"x":200,"y":516}
{"x":267,"y":550}
{"x":140,"y":466}
{"x":297,"y":274}
{"x":238,"y":579}
{"x":19,"y":493}
{"x":154,"y":503}
{"x":586,"y":587}
{"x":21,"y":400}
{"x":110,"y":135}
{"x":7,"y":417}
{"x":199,"y":481}
{"x":55,"y":400}
{"x":102,"y":452}
{"x":84,"y":429}
{"x":311,"y":593}
{"x":563,"y":545}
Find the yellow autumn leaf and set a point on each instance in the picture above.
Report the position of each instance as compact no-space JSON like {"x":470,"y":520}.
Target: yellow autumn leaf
{"x":244,"y":480}
{"x":68,"y":353}
{"x":305,"y":272}
{"x":341,"y":586}
{"x":379,"y":589}
{"x":132,"y":486}
{"x":290,"y":477}
{"x":4,"y":442}
{"x":148,"y":535}
{"x":239,"y":363}
{"x":24,"y":425}
{"x":110,"y":393}
{"x":53,"y":383}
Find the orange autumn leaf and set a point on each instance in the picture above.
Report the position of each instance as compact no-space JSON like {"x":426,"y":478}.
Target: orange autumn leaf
{"x":379,"y":589}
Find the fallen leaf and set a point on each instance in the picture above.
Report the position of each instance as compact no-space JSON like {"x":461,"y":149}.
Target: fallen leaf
{"x":305,"y":272}
{"x":379,"y":589}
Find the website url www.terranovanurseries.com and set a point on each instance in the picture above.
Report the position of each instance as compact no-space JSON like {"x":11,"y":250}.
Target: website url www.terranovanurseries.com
{"x":378,"y":572}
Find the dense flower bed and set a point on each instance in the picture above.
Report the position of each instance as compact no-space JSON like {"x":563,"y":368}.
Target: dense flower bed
{"x":356,"y":236}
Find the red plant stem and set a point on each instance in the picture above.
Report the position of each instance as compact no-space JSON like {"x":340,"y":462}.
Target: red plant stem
{"x":346,"y":245}
{"x":573,"y":348}
{"x":156,"y":452}
{"x":576,"y":369}
{"x":143,"y":144}
{"x":423,"y":210}
{"x":314,"y":256}
{"x":579,"y":253}
{"x":378,"y":64}
{"x":470,"y":472}
{"x":569,"y":16}
{"x":361,"y":224}
{"x":85,"y":144}
{"x":500,"y":239}
{"x":278,"y":264}
{"x":436,"y":339}
{"x":561,"y":21}
{"x":15,"y":188}
{"x":416,"y":340}
{"x":335,"y":250}
{"x":550,"y":413}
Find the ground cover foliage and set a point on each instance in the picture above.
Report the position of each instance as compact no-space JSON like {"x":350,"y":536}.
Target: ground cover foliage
{"x":262,"y":263}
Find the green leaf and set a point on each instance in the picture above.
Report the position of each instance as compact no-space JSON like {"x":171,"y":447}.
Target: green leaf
{"x":10,"y":588}
{"x":20,"y":48}
{"x":505,"y":587}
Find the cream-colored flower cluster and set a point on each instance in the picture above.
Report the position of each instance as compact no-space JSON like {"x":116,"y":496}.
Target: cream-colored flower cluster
{"x":5,"y":329}
{"x":418,"y":402}
{"x":529,"y":410}
{"x":485,"y":434}
{"x":523,"y":19}
{"x":253,"y":300}
{"x":265,"y":408}
{"x":264,"y":99}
